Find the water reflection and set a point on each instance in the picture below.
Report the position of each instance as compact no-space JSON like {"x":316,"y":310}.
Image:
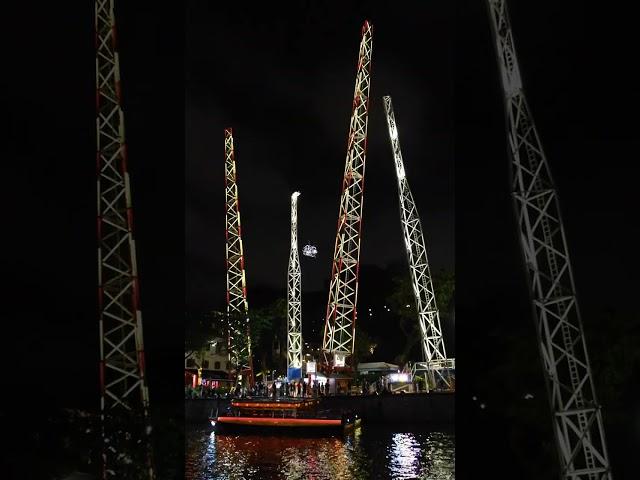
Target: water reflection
{"x":431,"y":457}
{"x":404,"y":455}
{"x":371,"y":452}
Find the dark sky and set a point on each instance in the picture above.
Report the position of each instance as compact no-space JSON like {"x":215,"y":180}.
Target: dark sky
{"x":283,"y":77}
{"x":582,"y":93}
{"x":49,"y":195}
{"x":582,"y":109}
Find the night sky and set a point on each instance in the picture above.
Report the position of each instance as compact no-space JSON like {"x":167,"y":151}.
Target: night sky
{"x":49,"y":251}
{"x":283,"y":75}
{"x":283,"y":78}
{"x":582,"y":94}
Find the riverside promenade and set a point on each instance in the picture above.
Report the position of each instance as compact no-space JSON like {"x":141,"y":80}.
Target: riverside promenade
{"x":425,"y":408}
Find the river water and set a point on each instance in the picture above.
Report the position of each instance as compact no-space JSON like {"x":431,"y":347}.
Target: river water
{"x":371,"y":452}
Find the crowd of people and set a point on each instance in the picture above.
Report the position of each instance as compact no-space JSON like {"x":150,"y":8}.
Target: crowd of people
{"x":293,"y":389}
{"x":205,"y":391}
{"x":274,"y":389}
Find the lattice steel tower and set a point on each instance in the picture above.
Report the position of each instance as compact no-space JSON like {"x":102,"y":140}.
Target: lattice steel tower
{"x":577,"y":420}
{"x":294,"y":299}
{"x":124,"y":395}
{"x":433,"y":348}
{"x":239,"y":340}
{"x":339,"y":331}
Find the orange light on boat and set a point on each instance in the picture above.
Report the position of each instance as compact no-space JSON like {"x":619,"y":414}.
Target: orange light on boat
{"x":257,"y":405}
{"x":281,"y":422}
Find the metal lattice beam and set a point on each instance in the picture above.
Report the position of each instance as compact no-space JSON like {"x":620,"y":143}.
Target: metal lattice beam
{"x":124,"y":393}
{"x":339,"y":333}
{"x":239,"y":340}
{"x":294,"y":294}
{"x":577,"y":419}
{"x":433,"y":348}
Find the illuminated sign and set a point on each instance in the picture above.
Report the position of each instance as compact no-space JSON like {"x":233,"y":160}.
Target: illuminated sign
{"x":311,"y":367}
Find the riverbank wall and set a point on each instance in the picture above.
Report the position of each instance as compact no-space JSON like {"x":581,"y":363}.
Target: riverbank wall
{"x":425,"y":408}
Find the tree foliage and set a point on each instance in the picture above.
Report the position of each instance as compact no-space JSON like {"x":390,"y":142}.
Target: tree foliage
{"x":362,"y":346}
{"x":402,"y":302}
{"x":200,"y":329}
{"x":268,"y":331}
{"x":613,"y":338}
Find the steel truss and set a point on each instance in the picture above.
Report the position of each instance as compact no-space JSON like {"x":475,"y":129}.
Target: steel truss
{"x":124,"y":392}
{"x":577,"y":418}
{"x":294,"y":295}
{"x":339,"y":332}
{"x":239,"y":339}
{"x":433,"y":348}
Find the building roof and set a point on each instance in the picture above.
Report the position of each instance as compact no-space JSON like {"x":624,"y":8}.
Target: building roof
{"x":377,"y":367}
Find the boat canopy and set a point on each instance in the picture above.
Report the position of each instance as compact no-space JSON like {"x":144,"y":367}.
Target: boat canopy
{"x":377,"y":367}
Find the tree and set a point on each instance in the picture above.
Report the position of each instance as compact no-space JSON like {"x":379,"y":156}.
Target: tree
{"x":201,"y":329}
{"x":363,"y":346}
{"x":444,"y":285}
{"x":403,"y":304}
{"x":269,"y":326}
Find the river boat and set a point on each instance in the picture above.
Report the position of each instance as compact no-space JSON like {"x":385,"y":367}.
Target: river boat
{"x":290,"y":415}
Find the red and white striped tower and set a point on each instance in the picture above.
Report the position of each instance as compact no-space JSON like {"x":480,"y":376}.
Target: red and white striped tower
{"x":239,"y":339}
{"x":124,"y":395}
{"x":339,"y":331}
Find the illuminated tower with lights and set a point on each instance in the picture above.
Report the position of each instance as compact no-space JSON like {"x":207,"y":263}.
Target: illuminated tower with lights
{"x":577,"y":419}
{"x":436,"y":364}
{"x":124,"y":405}
{"x":294,"y":301}
{"x":339,"y":331}
{"x":239,"y":340}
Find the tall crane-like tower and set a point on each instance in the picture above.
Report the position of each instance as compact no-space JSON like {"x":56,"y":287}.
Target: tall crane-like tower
{"x":339,"y":330}
{"x":294,"y":301}
{"x":239,"y":339}
{"x":577,"y":419}
{"x":124,"y":405}
{"x":433,"y":348}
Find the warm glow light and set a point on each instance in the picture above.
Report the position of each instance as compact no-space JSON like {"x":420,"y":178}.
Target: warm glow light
{"x":272,"y":405}
{"x":399,"y":377}
{"x":280,"y":422}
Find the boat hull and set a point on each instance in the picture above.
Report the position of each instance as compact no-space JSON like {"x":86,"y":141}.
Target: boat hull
{"x":275,"y":426}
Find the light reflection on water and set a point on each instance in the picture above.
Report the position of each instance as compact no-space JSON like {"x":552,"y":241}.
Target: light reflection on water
{"x":370,"y":452}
